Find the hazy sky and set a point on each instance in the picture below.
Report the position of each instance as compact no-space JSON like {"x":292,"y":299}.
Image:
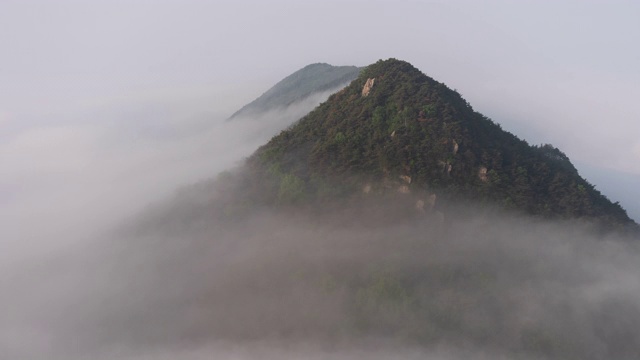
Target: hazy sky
{"x":564,"y":72}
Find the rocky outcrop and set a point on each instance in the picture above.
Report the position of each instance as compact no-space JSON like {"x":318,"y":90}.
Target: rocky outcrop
{"x":446,"y":167}
{"x":367,"y":87}
{"x":406,"y":179}
{"x":482,"y":174}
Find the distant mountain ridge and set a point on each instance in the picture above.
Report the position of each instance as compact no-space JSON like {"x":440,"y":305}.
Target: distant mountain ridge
{"x":312,"y":79}
{"x":394,"y":129}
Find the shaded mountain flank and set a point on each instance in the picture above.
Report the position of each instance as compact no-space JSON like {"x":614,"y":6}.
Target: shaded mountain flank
{"x":312,"y":79}
{"x":396,"y":130}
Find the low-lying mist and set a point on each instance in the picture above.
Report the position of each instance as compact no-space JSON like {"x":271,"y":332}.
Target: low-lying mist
{"x":367,"y":280}
{"x":108,"y":272}
{"x":62,"y":182}
{"x":67,"y":179}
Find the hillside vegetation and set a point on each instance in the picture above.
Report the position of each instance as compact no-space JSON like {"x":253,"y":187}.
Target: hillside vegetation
{"x":394,"y":129}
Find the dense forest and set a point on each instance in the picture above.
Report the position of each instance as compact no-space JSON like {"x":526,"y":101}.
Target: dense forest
{"x":396,"y":129}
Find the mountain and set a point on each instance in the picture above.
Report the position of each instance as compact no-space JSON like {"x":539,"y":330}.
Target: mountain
{"x":310,"y":80}
{"x":396,"y":130}
{"x":376,"y":219}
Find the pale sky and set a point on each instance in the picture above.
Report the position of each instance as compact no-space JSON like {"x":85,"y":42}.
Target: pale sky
{"x":563,"y":72}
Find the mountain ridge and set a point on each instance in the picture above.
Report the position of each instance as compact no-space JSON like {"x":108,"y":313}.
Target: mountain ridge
{"x":311,"y":79}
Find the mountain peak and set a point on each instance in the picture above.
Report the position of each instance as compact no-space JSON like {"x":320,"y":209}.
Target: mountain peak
{"x":382,"y":67}
{"x":318,"y":66}
{"x":396,"y":130}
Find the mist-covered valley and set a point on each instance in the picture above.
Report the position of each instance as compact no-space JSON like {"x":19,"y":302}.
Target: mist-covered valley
{"x":66,"y":189}
{"x":373,"y":279}
{"x":160,"y":263}
{"x":150,"y":210}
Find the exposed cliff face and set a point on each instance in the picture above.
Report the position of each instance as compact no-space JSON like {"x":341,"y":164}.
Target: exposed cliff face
{"x":367,"y":87}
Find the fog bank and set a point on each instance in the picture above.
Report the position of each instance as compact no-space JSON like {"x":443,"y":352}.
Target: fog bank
{"x":350,"y":283}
